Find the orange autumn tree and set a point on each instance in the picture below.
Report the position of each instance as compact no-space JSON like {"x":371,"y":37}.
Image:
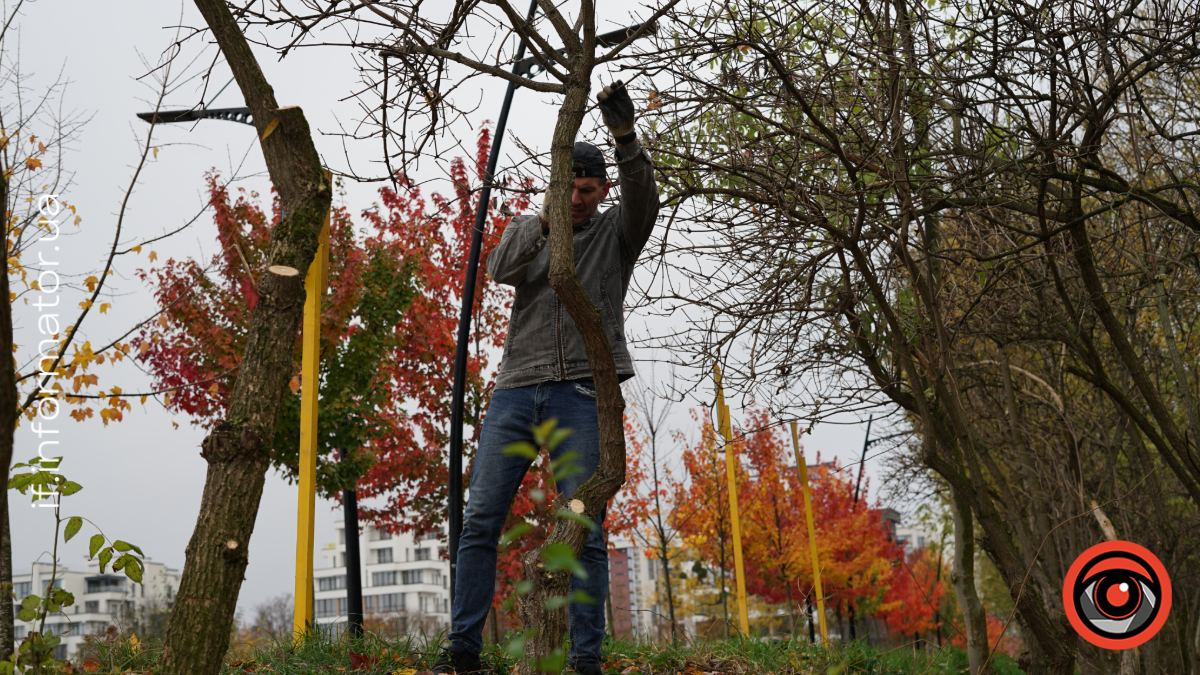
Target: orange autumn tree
{"x":774,"y":530}
{"x":911,"y":601}
{"x":701,"y":516}
{"x":853,"y":548}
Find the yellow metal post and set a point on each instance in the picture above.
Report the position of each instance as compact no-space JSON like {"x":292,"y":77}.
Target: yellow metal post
{"x":731,"y":474}
{"x":314,"y":288}
{"x":812,"y":531}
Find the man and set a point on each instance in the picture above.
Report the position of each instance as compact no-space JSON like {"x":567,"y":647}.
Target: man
{"x":544,"y":374}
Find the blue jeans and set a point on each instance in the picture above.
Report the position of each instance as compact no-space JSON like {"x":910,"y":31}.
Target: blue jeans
{"x":495,"y":478}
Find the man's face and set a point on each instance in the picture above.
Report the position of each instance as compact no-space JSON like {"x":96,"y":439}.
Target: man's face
{"x":589,"y":192}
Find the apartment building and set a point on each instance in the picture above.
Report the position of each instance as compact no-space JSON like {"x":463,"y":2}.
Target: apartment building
{"x":405,"y":582}
{"x":101,"y":600}
{"x":633,"y":580}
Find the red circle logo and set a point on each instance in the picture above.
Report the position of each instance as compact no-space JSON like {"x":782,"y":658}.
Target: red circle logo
{"x":1117,"y":595}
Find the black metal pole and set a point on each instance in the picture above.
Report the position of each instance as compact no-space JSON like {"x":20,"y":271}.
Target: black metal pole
{"x":863,"y":461}
{"x":464,"y":326}
{"x":857,"y":485}
{"x":354,"y":597}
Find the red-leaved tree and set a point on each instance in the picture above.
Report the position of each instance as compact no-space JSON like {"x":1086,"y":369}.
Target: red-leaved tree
{"x":397,"y":418}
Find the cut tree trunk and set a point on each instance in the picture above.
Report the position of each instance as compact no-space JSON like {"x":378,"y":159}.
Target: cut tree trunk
{"x":237,"y":449}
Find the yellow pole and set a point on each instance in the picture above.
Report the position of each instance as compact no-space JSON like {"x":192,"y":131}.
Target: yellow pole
{"x":314,"y":288}
{"x":812,"y":531}
{"x":731,"y":474}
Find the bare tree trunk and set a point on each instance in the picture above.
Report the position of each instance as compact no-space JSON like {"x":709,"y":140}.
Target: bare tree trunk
{"x":962,"y":575}
{"x":791,"y":609}
{"x":666,"y":565}
{"x":8,"y":423}
{"x":7,"y":635}
{"x":494,"y":620}
{"x":549,"y":626}
{"x":237,"y":449}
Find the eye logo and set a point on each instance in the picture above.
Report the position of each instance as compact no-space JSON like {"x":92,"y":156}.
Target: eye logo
{"x":1117,"y":595}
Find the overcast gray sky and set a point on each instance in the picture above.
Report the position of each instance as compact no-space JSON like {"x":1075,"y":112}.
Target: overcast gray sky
{"x":143,"y":478}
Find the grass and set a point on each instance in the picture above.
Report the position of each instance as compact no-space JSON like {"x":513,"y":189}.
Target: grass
{"x":375,"y":655}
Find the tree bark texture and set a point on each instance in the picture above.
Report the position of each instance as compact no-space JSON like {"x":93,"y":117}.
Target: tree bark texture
{"x":962,"y":576}
{"x":9,"y":413}
{"x":550,"y":626}
{"x":237,"y":449}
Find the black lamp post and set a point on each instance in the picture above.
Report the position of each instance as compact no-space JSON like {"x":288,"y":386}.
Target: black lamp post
{"x":354,"y":596}
{"x":867,"y":442}
{"x":521,"y":67}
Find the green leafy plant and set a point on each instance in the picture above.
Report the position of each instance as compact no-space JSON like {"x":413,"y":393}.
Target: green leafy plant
{"x":43,"y":480}
{"x":556,"y":556}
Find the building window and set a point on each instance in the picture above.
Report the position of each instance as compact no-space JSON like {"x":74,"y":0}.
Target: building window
{"x":429,"y":604}
{"x":383,"y":578}
{"x":408,"y":577}
{"x":96,"y":627}
{"x":381,"y":535}
{"x":431,"y":535}
{"x":91,"y":606}
{"x":327,"y":607}
{"x":22,"y":589}
{"x":387,"y":602}
{"x":331,"y":583}
{"x":18,"y":632}
{"x":421,"y":554}
{"x":105,"y":584}
{"x":383,"y":555}
{"x":341,"y":536}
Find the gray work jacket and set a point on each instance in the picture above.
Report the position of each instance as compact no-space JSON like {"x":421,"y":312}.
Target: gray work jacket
{"x":543,"y":343}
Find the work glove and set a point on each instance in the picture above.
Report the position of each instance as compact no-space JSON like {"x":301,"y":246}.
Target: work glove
{"x":617,"y":109}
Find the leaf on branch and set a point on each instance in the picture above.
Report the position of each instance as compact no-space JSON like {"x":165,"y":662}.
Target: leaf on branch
{"x":577,"y":517}
{"x":94,"y":545}
{"x":72,"y":528}
{"x":69,"y":488}
{"x":514,"y":532}
{"x":521,"y":449}
{"x":561,"y":557}
{"x":134,"y":570}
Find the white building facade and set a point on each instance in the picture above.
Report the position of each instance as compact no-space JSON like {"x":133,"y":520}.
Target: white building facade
{"x":101,"y":600}
{"x":405,"y":582}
